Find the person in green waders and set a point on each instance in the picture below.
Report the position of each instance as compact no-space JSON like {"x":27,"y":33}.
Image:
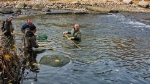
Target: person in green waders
{"x":75,"y":33}
{"x":7,"y":33}
{"x":30,"y":43}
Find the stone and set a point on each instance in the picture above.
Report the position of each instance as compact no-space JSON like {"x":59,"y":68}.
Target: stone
{"x":97,"y":9}
{"x":21,"y":5}
{"x":128,"y":1}
{"x":6,"y":10}
{"x":143,"y":4}
{"x":37,"y":7}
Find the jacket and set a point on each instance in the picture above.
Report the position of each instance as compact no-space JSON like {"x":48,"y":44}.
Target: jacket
{"x":25,"y":25}
{"x":30,"y":41}
{"x":8,"y":27}
{"x":76,"y":35}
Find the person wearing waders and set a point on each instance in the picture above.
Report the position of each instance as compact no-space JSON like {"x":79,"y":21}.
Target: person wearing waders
{"x":30,"y":43}
{"x":26,"y":26}
{"x":75,"y":33}
{"x":7,"y":33}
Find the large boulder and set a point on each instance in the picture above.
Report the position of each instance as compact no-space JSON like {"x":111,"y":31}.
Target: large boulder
{"x":6,"y":10}
{"x":54,"y":60}
{"x":38,"y":7}
{"x":143,"y":4}
{"x":128,"y":1}
{"x":17,"y":11}
{"x":46,"y":10}
{"x":21,"y":5}
{"x":29,"y":6}
{"x":97,"y":9}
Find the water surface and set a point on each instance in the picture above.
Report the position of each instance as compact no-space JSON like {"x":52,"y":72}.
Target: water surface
{"x":114,"y":49}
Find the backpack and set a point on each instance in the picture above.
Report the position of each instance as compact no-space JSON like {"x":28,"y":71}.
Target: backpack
{"x":2,"y":26}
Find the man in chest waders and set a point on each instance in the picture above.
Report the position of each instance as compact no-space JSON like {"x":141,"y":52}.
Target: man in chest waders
{"x":7,"y":34}
{"x":75,"y":34}
{"x":29,"y":44}
{"x":27,"y":25}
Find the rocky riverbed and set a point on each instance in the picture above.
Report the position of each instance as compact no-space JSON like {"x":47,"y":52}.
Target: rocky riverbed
{"x":29,"y":8}
{"x":80,"y":6}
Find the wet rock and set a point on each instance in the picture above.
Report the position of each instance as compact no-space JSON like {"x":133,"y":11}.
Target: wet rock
{"x":143,"y":4}
{"x":97,"y":9}
{"x":1,"y":15}
{"x":6,"y":10}
{"x":113,"y":11}
{"x":29,"y":6}
{"x":37,"y":7}
{"x":21,"y":5}
{"x":46,"y":10}
{"x":55,"y":60}
{"x":17,"y":11}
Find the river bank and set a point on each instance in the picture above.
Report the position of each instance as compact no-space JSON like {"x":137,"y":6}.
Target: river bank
{"x":29,"y":8}
{"x":76,"y":5}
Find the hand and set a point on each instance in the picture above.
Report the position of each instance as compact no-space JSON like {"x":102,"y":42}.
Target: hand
{"x":65,"y":32}
{"x":42,"y":45}
{"x":12,"y":34}
{"x":71,"y":38}
{"x":37,"y":41}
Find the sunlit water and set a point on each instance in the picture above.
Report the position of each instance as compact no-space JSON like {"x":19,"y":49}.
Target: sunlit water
{"x":114,"y":50}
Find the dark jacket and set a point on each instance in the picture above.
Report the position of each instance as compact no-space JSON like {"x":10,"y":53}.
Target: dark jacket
{"x":8,"y":27}
{"x":30,"y":41}
{"x":76,"y":35}
{"x":25,"y":25}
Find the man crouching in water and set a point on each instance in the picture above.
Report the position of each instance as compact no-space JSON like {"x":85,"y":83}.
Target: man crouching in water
{"x":29,"y":44}
{"x":76,"y":33}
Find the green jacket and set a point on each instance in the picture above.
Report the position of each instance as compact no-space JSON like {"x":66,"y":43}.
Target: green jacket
{"x":76,"y":35}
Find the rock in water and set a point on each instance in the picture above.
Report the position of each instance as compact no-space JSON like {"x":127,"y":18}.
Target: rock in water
{"x":54,"y":60}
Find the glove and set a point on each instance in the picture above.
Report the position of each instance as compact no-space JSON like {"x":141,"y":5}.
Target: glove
{"x":7,"y":34}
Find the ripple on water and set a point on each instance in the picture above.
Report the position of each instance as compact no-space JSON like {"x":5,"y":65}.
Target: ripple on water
{"x":114,"y":50}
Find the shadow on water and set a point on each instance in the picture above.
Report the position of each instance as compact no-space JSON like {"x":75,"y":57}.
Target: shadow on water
{"x":114,"y":49}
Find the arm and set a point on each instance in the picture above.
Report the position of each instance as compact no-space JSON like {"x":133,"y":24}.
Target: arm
{"x":66,"y":32}
{"x":7,"y":29}
{"x":33,"y":25}
{"x":23,"y":26}
{"x":33,"y":42}
{"x":77,"y":36}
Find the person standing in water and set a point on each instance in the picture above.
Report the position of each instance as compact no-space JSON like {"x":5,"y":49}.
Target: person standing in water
{"x":75,"y":33}
{"x":30,"y":43}
{"x":7,"y":37}
{"x":27,"y":25}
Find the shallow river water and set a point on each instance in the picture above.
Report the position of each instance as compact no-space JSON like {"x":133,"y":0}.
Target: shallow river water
{"x":114,"y":49}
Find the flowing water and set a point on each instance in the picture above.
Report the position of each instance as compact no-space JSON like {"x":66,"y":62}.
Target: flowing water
{"x":114,"y":49}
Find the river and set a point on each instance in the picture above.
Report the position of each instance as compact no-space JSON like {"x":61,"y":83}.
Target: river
{"x":114,"y":49}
